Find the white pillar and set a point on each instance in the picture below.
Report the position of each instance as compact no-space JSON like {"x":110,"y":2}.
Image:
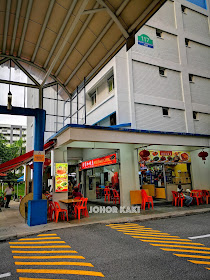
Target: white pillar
{"x":128,"y":173}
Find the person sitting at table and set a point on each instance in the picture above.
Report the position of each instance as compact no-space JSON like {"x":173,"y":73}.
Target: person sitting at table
{"x":76,"y":193}
{"x":188,"y":199}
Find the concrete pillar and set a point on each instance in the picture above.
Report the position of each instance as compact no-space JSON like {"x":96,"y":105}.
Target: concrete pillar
{"x":128,"y":172}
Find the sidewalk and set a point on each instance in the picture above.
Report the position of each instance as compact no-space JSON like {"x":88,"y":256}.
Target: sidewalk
{"x":13,"y":226}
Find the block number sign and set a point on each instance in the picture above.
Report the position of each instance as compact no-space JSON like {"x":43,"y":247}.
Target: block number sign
{"x":145,"y":41}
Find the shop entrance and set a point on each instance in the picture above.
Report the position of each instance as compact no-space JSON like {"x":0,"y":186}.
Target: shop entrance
{"x":163,"y":171}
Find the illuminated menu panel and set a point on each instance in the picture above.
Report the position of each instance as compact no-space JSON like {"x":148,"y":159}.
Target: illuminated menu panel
{"x":61,"y":177}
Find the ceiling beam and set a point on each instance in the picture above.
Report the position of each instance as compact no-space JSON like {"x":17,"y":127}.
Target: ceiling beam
{"x":4,"y":60}
{"x":69,"y":33}
{"x":47,"y":16}
{"x":85,"y":24}
{"x":26,"y":72}
{"x":6,"y":24}
{"x":30,"y":2}
{"x":19,"y":2}
{"x":37,"y":67}
{"x":109,"y":24}
{"x":60,"y":32}
{"x":119,"y":10}
{"x":115,"y":19}
{"x":18,"y":84}
{"x":93,"y":11}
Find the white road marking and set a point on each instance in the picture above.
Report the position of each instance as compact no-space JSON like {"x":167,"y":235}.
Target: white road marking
{"x":5,"y":275}
{"x":201,"y":236}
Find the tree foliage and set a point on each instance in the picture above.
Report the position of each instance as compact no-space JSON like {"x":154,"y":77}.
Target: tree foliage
{"x":10,"y":151}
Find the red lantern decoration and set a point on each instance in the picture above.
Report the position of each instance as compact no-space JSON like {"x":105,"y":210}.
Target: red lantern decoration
{"x":203,"y":155}
{"x":144,"y":154}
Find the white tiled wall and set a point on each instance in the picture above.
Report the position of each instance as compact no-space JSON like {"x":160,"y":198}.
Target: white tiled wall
{"x":151,"y":118}
{"x":202,"y":126}
{"x":147,"y":81}
{"x":198,"y":55}
{"x":200,"y":90}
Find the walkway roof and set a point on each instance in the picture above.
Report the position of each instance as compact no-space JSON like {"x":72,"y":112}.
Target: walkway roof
{"x":70,"y":39}
{"x":86,"y":133}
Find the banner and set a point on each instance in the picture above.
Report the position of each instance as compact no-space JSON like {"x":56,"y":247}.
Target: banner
{"x":97,"y":162}
{"x":166,"y":157}
{"x":61,"y":177}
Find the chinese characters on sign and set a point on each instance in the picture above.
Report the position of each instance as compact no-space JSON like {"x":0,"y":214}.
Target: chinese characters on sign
{"x":61,"y":177}
{"x":97,"y":162}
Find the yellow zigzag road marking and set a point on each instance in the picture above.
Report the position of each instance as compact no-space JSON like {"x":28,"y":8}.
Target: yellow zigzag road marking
{"x":41,"y":238}
{"x":61,"y":271}
{"x":43,"y":252}
{"x":192,"y":256}
{"x":38,"y":242}
{"x":207,"y":268}
{"x":172,"y":242}
{"x":32,"y":247}
{"x":28,"y":247}
{"x":54,"y":263}
{"x":143,"y":230}
{"x":48,"y":257}
{"x":26,"y":278}
{"x":146,"y":232}
{"x":198,"y":262}
{"x":152,"y":235}
{"x":47,"y":234}
{"x":163,"y":238}
{"x":178,"y":246}
{"x":186,"y":251}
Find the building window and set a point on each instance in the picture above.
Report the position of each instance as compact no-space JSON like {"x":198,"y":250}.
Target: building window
{"x":162,"y":71}
{"x":191,"y":78}
{"x":183,"y":9}
{"x":195,"y":116}
{"x":93,"y":98}
{"x":187,"y":41}
{"x":113,"y":119}
{"x":110,"y":82}
{"x":165,"y":111}
{"x":159,"y":33}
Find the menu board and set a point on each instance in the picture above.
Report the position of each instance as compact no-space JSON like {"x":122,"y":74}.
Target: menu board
{"x":61,"y":177}
{"x":166,"y":157}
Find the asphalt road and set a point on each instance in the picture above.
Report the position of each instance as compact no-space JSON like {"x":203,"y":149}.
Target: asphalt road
{"x":112,"y":251}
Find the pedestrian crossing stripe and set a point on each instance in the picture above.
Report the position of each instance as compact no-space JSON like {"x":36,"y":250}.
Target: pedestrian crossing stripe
{"x":49,"y":260}
{"x":155,"y":236}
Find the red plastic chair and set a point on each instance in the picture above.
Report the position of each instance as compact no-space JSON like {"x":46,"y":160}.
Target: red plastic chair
{"x":116,"y":197}
{"x":181,"y":199}
{"x":196,"y":195}
{"x":146,"y":199}
{"x":59,"y":210}
{"x":51,"y":211}
{"x":207,"y":197}
{"x":107,"y":194}
{"x":81,"y":207}
{"x":175,"y":198}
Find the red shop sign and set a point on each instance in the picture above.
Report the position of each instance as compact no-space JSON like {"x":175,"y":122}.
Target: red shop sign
{"x":97,"y":162}
{"x":166,"y":153}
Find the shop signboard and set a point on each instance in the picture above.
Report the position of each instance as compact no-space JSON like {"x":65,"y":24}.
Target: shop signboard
{"x":61,"y":177}
{"x":166,"y":157}
{"x":97,"y":162}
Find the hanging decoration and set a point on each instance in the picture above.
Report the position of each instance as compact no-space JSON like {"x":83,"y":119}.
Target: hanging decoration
{"x":203,"y":155}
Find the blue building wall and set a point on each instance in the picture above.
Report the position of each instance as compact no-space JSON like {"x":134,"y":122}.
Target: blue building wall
{"x":200,"y":3}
